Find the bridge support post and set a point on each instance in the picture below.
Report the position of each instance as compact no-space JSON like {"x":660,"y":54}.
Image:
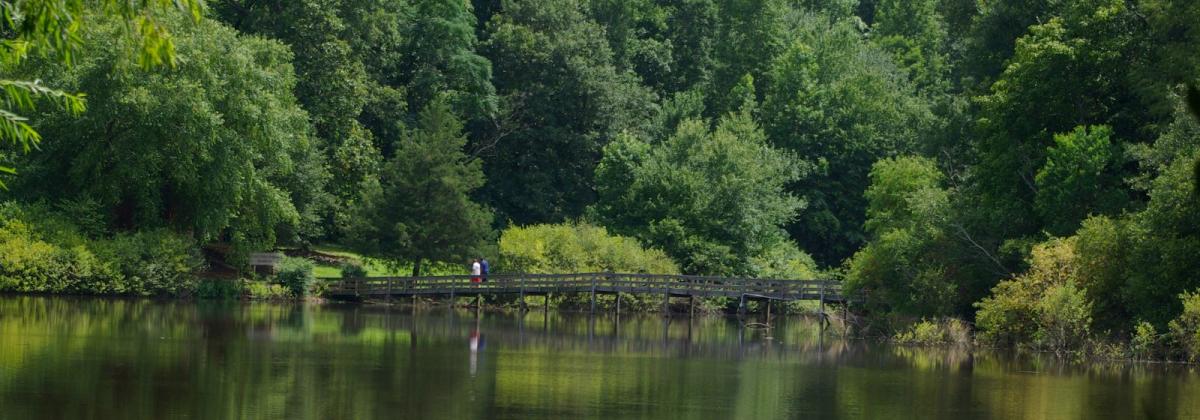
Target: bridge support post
{"x":667,"y":303}
{"x":822,"y":306}
{"x":742,"y":305}
{"x":452,"y":296}
{"x":768,"y":311}
{"x":691,"y":306}
{"x":524,"y":307}
{"x":593,"y":295}
{"x":618,"y":310}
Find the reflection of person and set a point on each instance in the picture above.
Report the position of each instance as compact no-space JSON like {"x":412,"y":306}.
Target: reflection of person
{"x":474,"y":351}
{"x":476,"y":269}
{"x":483,"y":264}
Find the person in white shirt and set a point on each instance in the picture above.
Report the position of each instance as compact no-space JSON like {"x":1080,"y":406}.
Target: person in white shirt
{"x":476,"y":271}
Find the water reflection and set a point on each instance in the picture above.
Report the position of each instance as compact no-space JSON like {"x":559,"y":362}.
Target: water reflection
{"x":96,"y":358}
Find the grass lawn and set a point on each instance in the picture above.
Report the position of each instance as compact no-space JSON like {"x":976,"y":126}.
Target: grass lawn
{"x":378,"y":268}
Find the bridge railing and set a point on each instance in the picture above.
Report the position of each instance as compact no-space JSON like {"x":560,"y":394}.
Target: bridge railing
{"x":589,"y":282}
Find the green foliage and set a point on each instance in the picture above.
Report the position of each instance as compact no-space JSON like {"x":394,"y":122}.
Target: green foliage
{"x":1103,"y":246}
{"x":353,"y":270}
{"x":209,"y":158}
{"x":420,"y":209}
{"x":444,"y":62}
{"x":1078,"y":179}
{"x":50,"y":28}
{"x":1185,"y":329}
{"x":576,"y":248}
{"x":563,"y":99}
{"x":1083,"y":50}
{"x":41,"y":252}
{"x":932,"y":332}
{"x":1146,"y":342}
{"x":830,"y":102}
{"x":220,"y":289}
{"x":330,"y":82}
{"x":1166,"y":237}
{"x":909,"y":265}
{"x":1043,"y":307}
{"x":257,"y":290}
{"x":1063,"y":318}
{"x":711,"y":199}
{"x":153,"y":262}
{"x":913,"y":31}
{"x":748,"y":35}
{"x":296,"y":274}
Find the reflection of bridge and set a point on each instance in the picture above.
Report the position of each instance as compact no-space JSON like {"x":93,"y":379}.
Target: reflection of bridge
{"x":667,"y":285}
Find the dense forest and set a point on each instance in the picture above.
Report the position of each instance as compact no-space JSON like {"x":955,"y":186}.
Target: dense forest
{"x":1026,"y":164}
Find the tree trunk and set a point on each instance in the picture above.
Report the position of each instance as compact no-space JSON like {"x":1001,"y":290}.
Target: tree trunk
{"x":417,"y":267}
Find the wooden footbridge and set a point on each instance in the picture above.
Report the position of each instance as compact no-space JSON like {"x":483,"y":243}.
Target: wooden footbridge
{"x":823,"y":291}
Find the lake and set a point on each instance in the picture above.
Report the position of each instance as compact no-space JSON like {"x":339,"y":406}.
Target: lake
{"x":89,"y":358}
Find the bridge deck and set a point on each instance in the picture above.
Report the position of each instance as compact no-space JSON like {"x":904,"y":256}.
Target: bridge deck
{"x":594,"y":283}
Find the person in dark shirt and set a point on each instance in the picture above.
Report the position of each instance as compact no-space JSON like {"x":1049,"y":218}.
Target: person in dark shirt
{"x":484,"y":265}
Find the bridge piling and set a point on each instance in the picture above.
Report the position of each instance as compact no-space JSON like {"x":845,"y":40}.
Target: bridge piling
{"x":523,"y":305}
{"x":593,"y":295}
{"x":768,"y":312}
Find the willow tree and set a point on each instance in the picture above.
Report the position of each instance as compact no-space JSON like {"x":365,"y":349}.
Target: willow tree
{"x":205,"y":147}
{"x":51,"y":28}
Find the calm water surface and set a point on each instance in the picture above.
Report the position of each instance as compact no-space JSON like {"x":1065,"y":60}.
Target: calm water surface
{"x":126,"y":359}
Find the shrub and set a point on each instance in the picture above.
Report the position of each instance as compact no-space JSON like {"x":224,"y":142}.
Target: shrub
{"x":1145,"y":342}
{"x":43,"y":252}
{"x":946,"y":331}
{"x":577,"y":248}
{"x":1043,"y":306}
{"x":1185,"y":330}
{"x":353,"y":270}
{"x":157,"y":262}
{"x":30,"y":264}
{"x":1064,"y":318}
{"x":296,"y":275}
{"x":258,"y":290}
{"x":219,"y":289}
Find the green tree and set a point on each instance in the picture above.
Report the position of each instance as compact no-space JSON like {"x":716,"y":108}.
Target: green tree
{"x":914,"y":33}
{"x":420,"y":208}
{"x":637,"y":31}
{"x":750,"y":33}
{"x":835,"y":101}
{"x":1078,"y":179}
{"x":909,"y":264}
{"x":1084,"y":51}
{"x":442,"y":60}
{"x":563,"y":100}
{"x":332,"y":83}
{"x":205,"y":147}
{"x":51,"y":28}
{"x":713,"y":200}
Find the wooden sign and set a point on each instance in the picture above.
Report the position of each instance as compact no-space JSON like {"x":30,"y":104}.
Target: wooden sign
{"x":266,"y":259}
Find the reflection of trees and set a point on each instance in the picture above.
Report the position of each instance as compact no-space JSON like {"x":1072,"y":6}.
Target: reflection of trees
{"x":98,"y":358}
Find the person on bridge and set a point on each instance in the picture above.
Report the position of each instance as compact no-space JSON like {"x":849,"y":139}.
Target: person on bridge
{"x":483,"y":264}
{"x":476,"y":270}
